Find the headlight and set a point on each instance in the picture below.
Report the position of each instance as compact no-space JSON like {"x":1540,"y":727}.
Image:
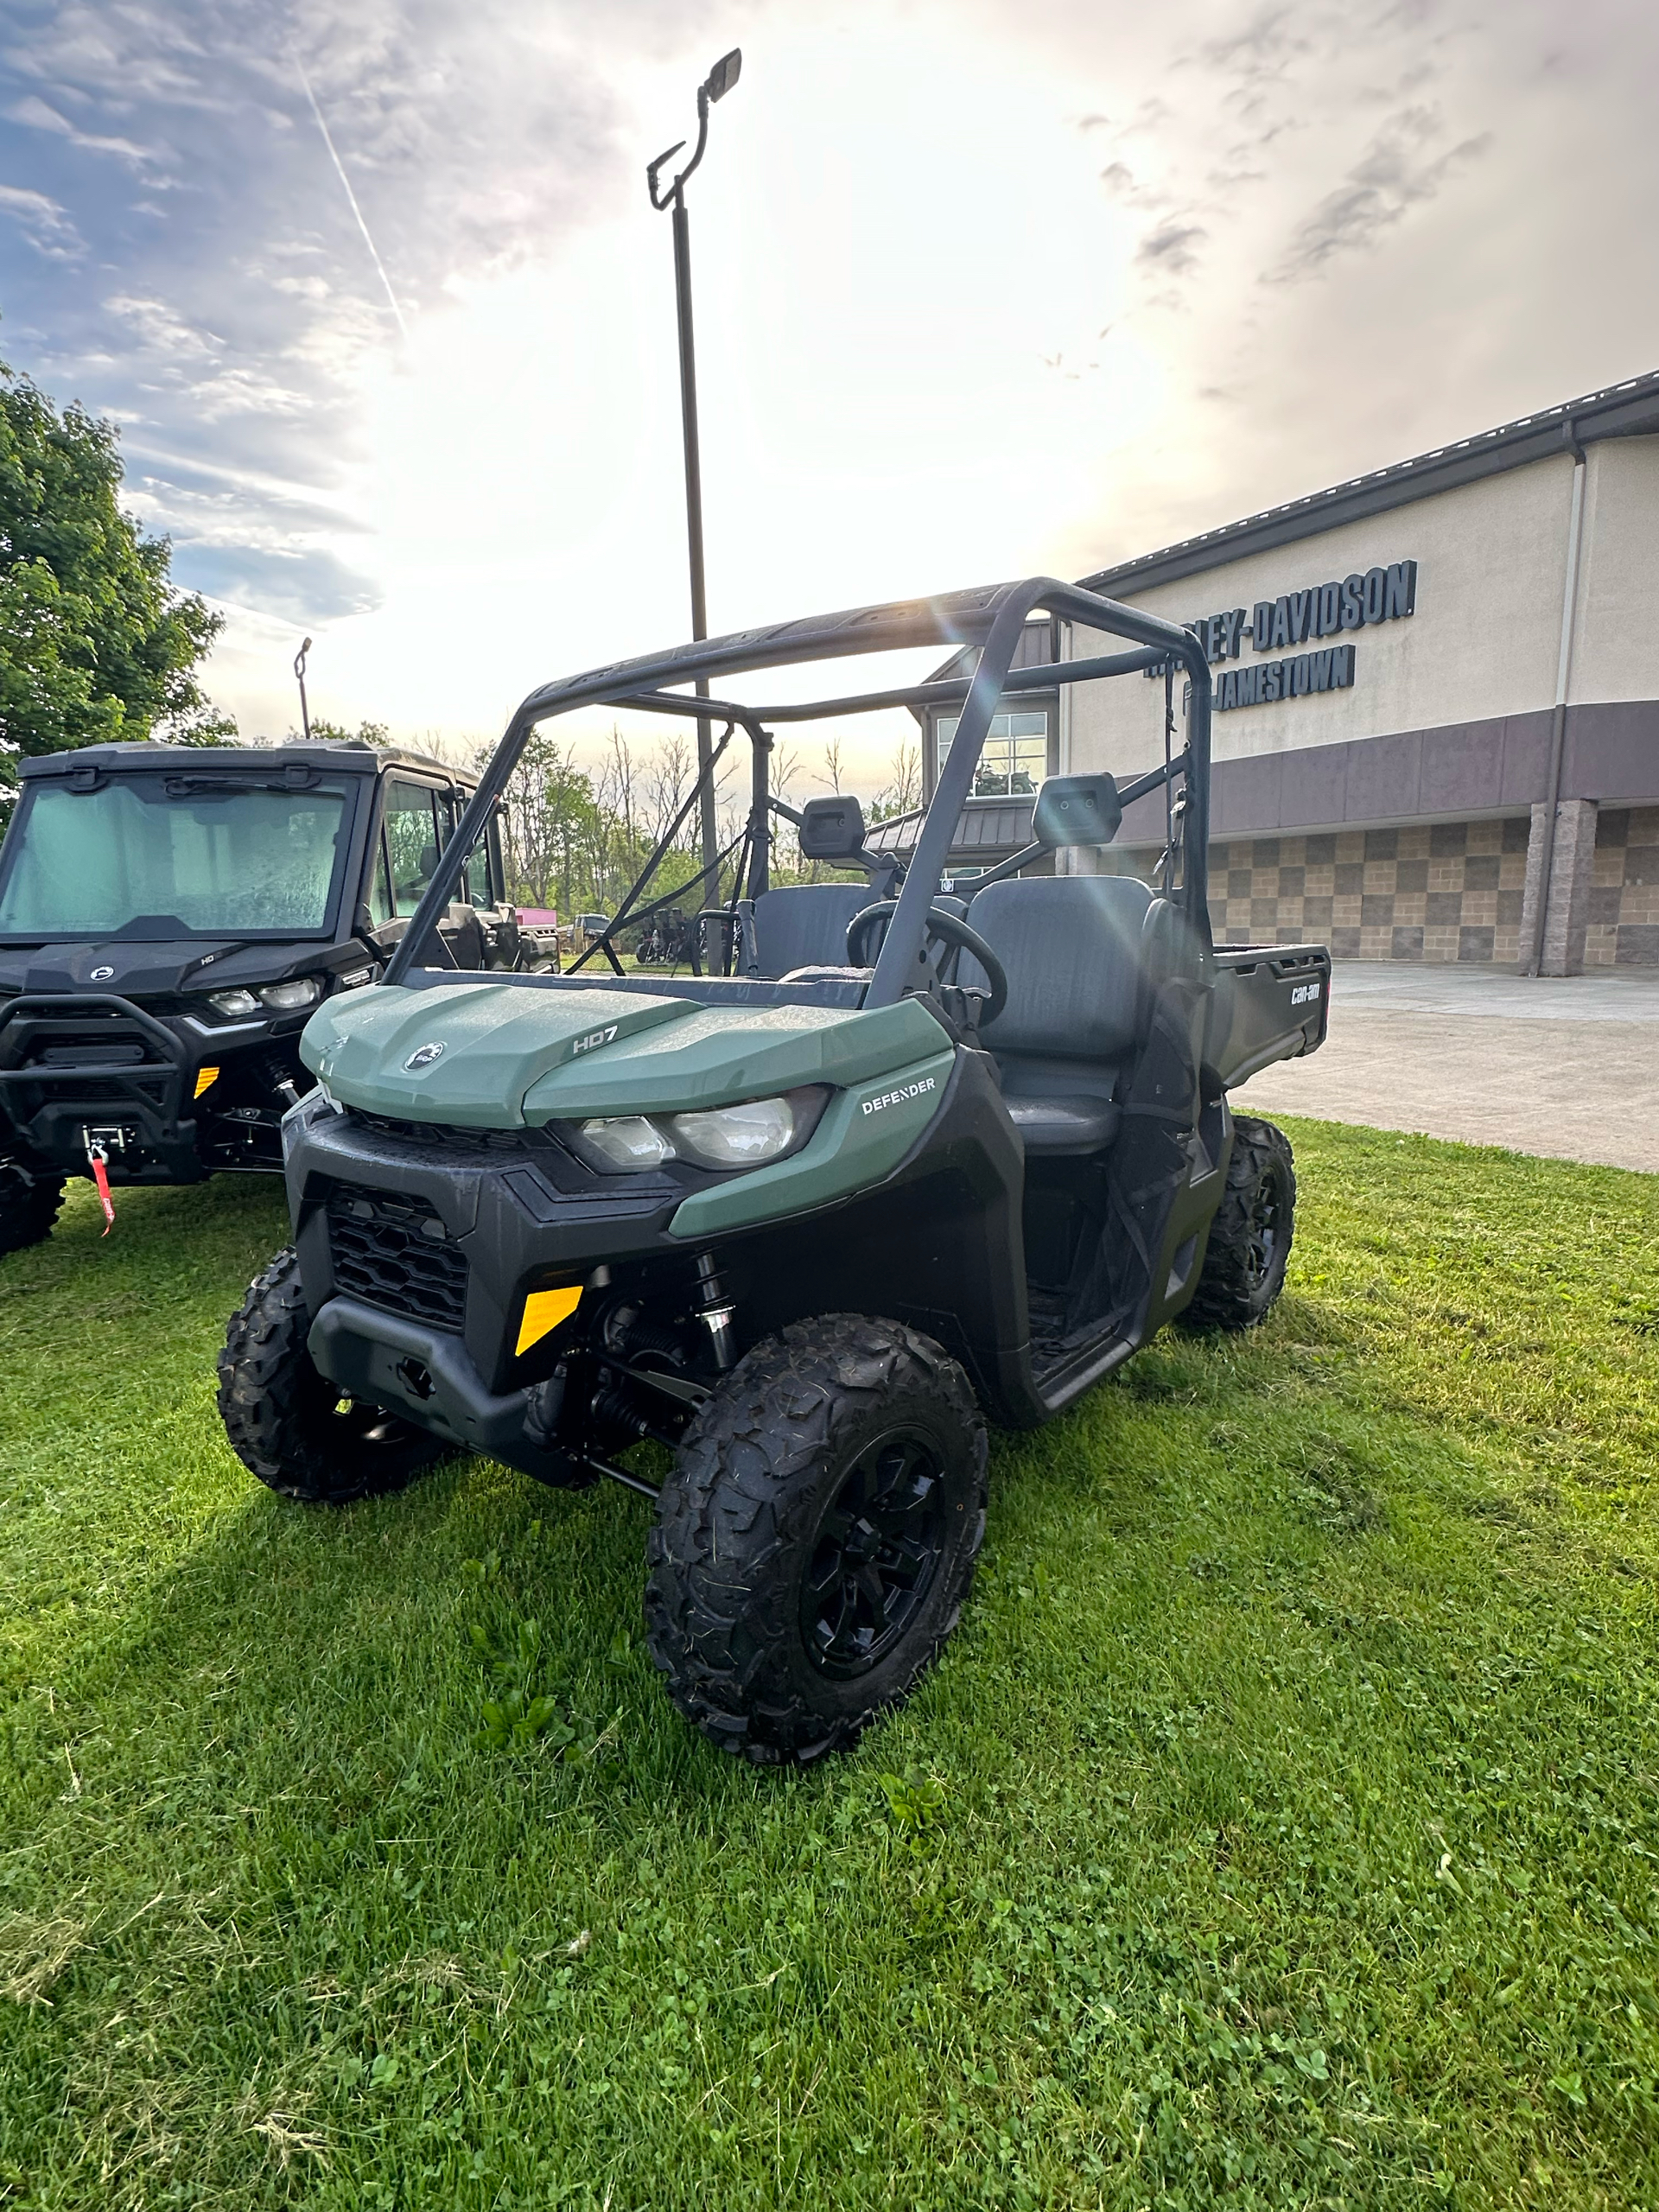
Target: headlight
{"x":284,"y":998}
{"x":629,"y":1140}
{"x":736,"y":1136}
{"x":234,"y":1002}
{"x":746,"y":1136}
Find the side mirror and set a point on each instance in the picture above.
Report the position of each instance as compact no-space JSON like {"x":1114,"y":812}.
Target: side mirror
{"x":832,"y":830}
{"x":1077,"y":810}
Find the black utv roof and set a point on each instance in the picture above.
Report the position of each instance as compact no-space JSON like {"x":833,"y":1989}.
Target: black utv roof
{"x":337,"y":759}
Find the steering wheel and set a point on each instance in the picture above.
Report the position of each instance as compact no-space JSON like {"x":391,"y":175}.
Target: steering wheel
{"x":944,"y":929}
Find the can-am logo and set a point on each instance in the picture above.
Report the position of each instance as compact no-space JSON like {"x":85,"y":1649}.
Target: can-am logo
{"x":1303,"y":993}
{"x":422,"y":1057}
{"x":898,"y":1097}
{"x":102,"y":975}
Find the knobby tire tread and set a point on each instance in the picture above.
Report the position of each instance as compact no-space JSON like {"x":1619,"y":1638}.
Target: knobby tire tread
{"x":1225,"y":1299}
{"x":29,"y":1211}
{"x":270,"y":1397}
{"x":718,"y":1612}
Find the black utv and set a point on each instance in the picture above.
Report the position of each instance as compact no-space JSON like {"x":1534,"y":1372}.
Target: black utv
{"x":171,"y":917}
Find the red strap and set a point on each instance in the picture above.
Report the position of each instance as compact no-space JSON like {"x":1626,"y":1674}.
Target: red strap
{"x":101,"y":1177}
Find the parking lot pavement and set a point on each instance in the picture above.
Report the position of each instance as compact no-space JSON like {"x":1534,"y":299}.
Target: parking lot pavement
{"x":1567,"y":1066}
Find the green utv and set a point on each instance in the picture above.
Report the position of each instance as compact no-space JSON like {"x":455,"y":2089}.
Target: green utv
{"x":910,"y":1161}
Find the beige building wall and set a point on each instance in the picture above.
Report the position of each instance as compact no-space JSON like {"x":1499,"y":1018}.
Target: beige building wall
{"x":1485,"y":638}
{"x":1616,"y":627}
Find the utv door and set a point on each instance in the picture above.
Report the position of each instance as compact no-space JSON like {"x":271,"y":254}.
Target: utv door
{"x":417,"y":820}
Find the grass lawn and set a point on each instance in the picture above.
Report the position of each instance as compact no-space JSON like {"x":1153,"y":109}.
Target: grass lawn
{"x":1279,"y":1830}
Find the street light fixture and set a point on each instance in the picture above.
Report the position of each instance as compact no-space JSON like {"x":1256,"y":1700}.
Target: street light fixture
{"x":671,"y":198}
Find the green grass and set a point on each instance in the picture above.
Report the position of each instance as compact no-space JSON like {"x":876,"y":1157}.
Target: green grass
{"x":1279,"y":1830}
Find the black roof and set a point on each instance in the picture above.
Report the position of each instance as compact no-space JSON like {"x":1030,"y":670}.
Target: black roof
{"x":354,"y":760}
{"x":987,"y":828}
{"x":1618,"y":410}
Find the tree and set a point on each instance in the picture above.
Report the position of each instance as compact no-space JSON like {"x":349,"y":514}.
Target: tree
{"x":95,"y":643}
{"x":904,"y":794}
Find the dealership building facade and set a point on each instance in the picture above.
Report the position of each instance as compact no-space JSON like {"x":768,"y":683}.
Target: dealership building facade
{"x":1436,"y":725}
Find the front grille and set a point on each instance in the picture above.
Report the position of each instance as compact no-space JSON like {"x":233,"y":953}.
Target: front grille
{"x":394,"y":1252}
{"x":445,"y":1136}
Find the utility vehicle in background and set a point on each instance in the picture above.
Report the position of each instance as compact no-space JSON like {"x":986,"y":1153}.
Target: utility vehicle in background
{"x":911,"y":1161}
{"x":171,"y":917}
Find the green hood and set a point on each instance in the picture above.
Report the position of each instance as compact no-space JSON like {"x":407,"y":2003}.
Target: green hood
{"x":512,"y":1053}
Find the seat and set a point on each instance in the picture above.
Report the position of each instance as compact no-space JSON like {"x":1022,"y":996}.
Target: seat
{"x":804,"y":925}
{"x":1070,"y":945}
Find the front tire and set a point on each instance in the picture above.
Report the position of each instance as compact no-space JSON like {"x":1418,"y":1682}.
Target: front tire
{"x":1250,"y":1242}
{"x":28,"y":1205}
{"x":817,"y":1538}
{"x":288,"y":1423}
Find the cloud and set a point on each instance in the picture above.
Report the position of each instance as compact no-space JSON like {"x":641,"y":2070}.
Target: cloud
{"x":35,"y":115}
{"x":308,"y":586}
{"x":1395,"y":174}
{"x":1262,"y":52}
{"x":1171,"y":248}
{"x":43,"y":222}
{"x":248,"y":310}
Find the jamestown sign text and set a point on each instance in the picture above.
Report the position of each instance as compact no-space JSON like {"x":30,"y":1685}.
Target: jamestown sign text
{"x":1322,"y":610}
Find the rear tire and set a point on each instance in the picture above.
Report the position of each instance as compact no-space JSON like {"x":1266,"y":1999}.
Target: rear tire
{"x":28,"y":1205}
{"x":1250,"y":1243}
{"x":288,"y":1423}
{"x":817,"y":1538}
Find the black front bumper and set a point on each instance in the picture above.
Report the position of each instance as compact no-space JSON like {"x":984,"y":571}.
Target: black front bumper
{"x":77,"y":1067}
{"x":385,"y":1360}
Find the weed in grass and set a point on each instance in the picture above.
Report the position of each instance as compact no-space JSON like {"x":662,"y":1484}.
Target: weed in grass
{"x":1294,"y":1841}
{"x":525,"y":1709}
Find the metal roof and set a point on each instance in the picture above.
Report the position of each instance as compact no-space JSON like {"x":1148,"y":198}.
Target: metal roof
{"x":1618,"y":410}
{"x":986,"y":829}
{"x":317,"y":753}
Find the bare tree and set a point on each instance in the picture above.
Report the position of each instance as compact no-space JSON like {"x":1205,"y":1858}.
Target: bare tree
{"x":669,"y":780}
{"x":616,"y":783}
{"x":902,"y":792}
{"x":832,"y":763}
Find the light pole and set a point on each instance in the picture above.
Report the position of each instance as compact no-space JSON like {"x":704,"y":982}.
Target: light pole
{"x":718,"y":83}
{"x":299,"y":671}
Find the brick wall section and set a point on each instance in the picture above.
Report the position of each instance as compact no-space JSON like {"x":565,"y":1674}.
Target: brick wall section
{"x":1436,"y":892}
{"x":1623,"y":916}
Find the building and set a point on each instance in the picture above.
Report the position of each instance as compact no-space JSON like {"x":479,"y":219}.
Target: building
{"x":1407,"y":666}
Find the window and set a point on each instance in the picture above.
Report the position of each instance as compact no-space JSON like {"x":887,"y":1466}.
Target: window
{"x":1014,"y":757}
{"x":194,"y":852}
{"x":412,"y":840}
{"x":380,"y":906}
{"x":475,"y":876}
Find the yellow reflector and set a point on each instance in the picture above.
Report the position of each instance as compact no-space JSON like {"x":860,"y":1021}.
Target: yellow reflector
{"x":544,"y":1311}
{"x":203,"y":1076}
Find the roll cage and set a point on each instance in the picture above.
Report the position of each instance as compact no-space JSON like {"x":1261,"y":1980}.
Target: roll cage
{"x":992,"y":619}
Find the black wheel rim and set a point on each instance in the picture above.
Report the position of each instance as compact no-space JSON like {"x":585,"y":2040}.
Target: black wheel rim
{"x":875,"y":1556}
{"x":1262,"y":1242}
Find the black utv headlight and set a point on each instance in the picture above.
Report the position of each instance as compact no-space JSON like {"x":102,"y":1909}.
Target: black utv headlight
{"x":276,"y":998}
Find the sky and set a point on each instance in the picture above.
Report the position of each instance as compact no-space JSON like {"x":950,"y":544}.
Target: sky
{"x":984,"y":289}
